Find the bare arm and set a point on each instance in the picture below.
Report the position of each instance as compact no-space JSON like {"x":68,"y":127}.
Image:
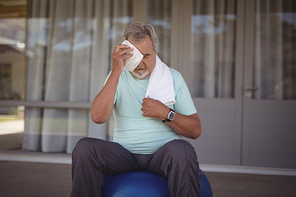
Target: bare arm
{"x":187,"y":126}
{"x":102,"y":106}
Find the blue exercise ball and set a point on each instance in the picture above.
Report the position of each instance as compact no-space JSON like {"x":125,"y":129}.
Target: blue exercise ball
{"x":144,"y":184}
{"x":205,"y":186}
{"x":137,"y":183}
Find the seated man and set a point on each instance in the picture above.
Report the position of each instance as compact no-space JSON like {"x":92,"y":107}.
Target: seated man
{"x":148,"y":125}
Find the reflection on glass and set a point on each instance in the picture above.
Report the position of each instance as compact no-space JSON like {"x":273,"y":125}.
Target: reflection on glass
{"x":159,"y":15}
{"x":11,"y":128}
{"x":212,"y":48}
{"x":69,"y":45}
{"x":55,"y":130}
{"x":275,"y":49}
{"x":12,"y":60}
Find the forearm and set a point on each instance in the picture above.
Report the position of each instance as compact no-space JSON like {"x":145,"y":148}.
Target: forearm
{"x":102,"y":106}
{"x":187,"y":126}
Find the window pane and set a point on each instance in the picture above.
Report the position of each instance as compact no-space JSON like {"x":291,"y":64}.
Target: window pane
{"x":12,"y":59}
{"x":11,"y":128}
{"x":213,"y":48}
{"x":275,"y":49}
{"x":55,"y":129}
{"x":70,"y":45}
{"x":159,"y":15}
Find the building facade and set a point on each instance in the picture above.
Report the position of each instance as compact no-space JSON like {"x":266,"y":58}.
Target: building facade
{"x":237,"y":57}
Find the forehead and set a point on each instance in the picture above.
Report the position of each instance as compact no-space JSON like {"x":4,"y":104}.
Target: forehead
{"x":145,"y":46}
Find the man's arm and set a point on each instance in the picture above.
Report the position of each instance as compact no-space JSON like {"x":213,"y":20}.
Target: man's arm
{"x":187,"y":126}
{"x":102,"y":106}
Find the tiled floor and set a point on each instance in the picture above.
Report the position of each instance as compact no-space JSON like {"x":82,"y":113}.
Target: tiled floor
{"x":19,"y":179}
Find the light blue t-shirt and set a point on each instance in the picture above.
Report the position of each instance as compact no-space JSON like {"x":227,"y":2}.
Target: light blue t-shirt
{"x":139,"y":134}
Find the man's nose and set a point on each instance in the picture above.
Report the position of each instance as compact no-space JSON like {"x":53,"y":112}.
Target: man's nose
{"x":141,"y":62}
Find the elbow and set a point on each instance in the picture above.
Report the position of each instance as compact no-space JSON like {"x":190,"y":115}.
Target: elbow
{"x":195,"y":127}
{"x":97,"y":118}
{"x":197,"y":132}
{"x":196,"y":135}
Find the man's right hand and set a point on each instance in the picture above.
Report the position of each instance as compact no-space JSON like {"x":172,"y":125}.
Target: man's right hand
{"x":120,"y":53}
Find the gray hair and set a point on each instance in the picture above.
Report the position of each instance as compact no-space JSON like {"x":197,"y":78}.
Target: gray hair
{"x":137,"y":31}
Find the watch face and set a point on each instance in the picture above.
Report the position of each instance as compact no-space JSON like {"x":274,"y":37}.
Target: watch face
{"x":171,"y":115}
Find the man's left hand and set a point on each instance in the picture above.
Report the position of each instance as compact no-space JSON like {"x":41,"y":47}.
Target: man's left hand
{"x":154,"y":109}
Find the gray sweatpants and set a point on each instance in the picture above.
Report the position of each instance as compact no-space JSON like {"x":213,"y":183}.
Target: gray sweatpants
{"x":92,"y":158}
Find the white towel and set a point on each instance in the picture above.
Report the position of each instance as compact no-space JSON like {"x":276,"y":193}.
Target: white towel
{"x":160,"y":85}
{"x":131,"y":63}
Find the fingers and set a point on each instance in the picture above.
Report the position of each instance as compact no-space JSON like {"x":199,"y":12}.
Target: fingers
{"x":122,"y":50}
{"x":120,"y":53}
{"x":150,"y":108}
{"x":149,"y":101}
{"x":154,"y":108}
{"x":145,"y":100}
{"x":145,"y":112}
{"x":145,"y":106}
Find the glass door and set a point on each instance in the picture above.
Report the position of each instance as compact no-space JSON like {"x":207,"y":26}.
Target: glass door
{"x":214,"y":76}
{"x":269,"y":110}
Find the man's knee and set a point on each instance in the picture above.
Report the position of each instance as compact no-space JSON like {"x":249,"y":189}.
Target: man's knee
{"x":85,"y":147}
{"x":81,"y":146}
{"x":179,"y":148}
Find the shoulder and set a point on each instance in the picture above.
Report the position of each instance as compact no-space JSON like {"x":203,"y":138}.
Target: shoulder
{"x":177,"y":76}
{"x":175,"y":73}
{"x":124,"y":76}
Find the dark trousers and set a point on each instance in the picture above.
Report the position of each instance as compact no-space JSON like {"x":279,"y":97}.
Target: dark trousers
{"x":92,"y":158}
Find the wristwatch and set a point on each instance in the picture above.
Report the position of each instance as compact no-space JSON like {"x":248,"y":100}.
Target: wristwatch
{"x":171,"y":116}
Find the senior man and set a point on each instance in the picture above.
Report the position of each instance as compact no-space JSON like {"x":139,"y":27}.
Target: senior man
{"x":153,"y":109}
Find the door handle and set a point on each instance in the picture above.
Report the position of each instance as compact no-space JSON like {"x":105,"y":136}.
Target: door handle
{"x":252,"y":88}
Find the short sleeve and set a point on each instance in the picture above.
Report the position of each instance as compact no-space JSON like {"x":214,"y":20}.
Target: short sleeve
{"x":184,"y":103}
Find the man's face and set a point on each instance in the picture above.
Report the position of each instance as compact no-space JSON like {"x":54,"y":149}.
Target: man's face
{"x":147,"y":64}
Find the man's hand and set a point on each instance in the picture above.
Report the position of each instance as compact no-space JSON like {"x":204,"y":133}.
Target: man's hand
{"x":120,"y":53}
{"x":187,"y":126}
{"x":154,"y":109}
